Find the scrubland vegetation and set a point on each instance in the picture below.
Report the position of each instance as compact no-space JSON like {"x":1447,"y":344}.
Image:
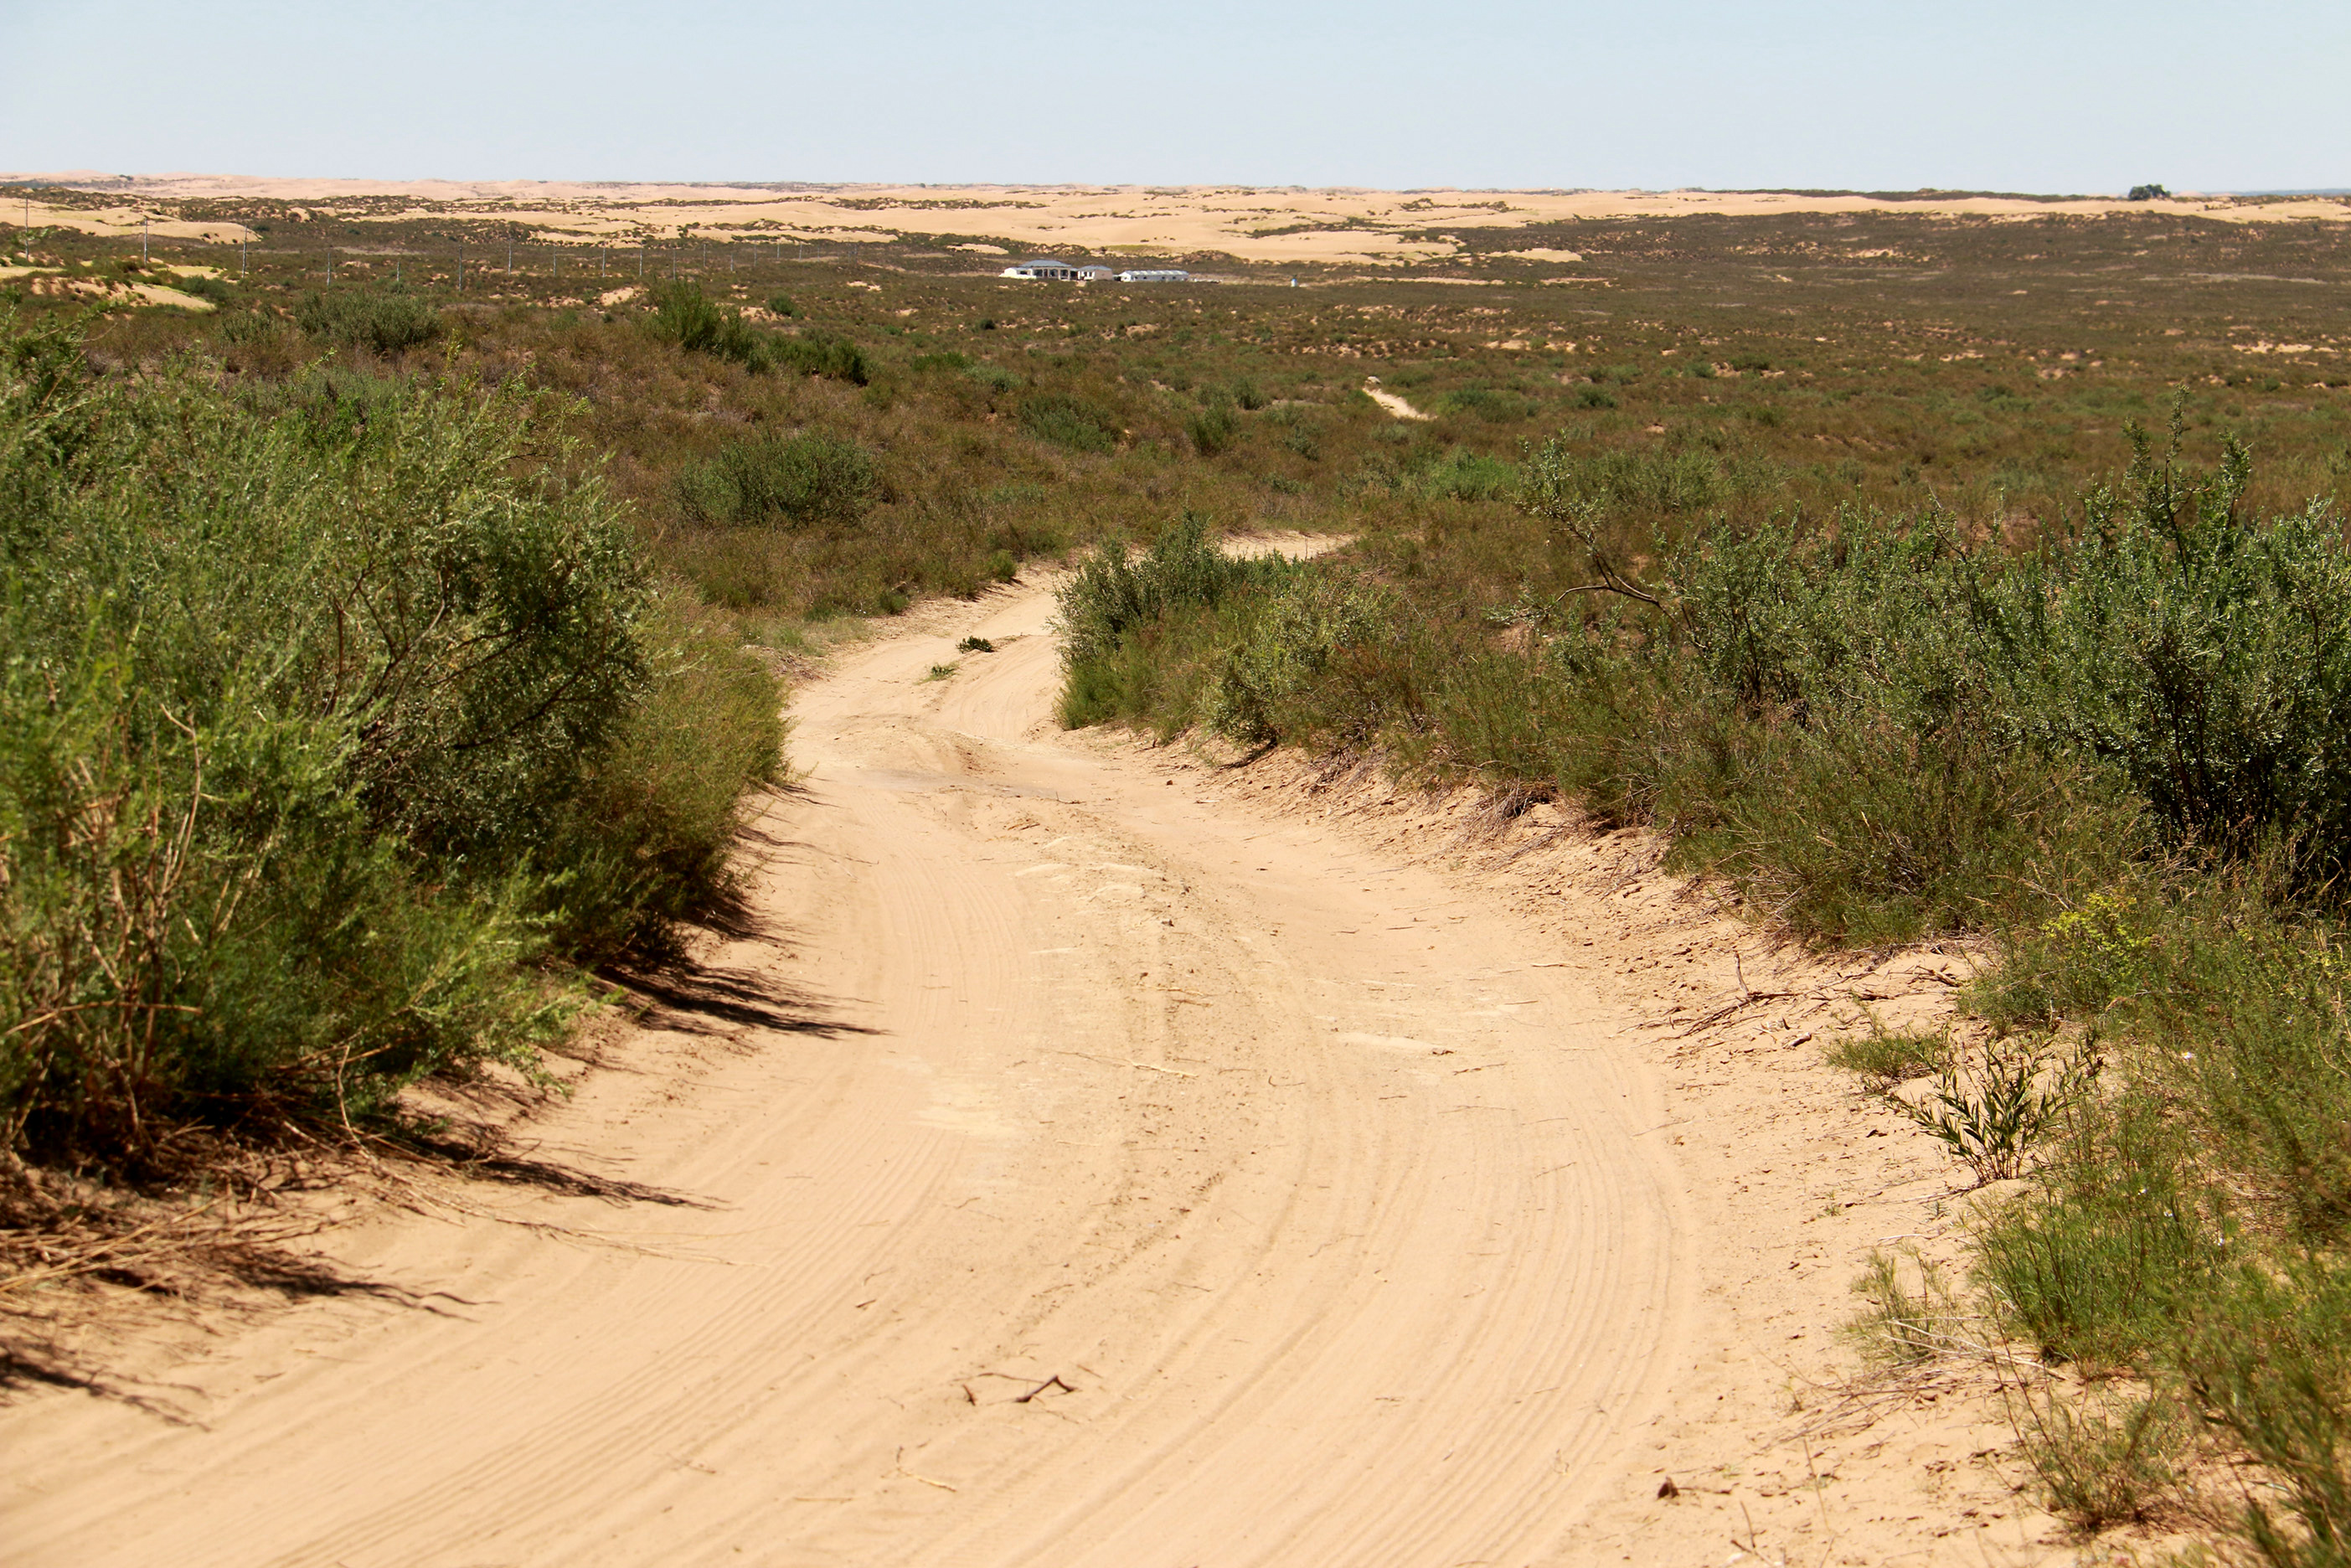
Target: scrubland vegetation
{"x":379,"y":655}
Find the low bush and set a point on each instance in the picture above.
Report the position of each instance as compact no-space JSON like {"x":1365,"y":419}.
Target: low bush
{"x":1881,"y":1060}
{"x":1111,"y":606}
{"x":810,"y":479}
{"x":822,"y":354}
{"x":683,"y":315}
{"x":1214,"y":428}
{"x":1899,"y":1326}
{"x":320,"y":739}
{"x":385,"y":321}
{"x":1074,"y":423}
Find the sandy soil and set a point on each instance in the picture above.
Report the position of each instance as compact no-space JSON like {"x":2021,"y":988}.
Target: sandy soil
{"x":1384,"y":228}
{"x":1395,"y":402}
{"x":1104,"y":1157}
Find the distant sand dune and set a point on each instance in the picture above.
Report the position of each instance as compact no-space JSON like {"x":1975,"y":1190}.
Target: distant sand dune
{"x":1354,"y":227}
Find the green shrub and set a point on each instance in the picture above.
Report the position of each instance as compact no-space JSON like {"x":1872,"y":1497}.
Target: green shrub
{"x":647,"y":842}
{"x":212,"y":290}
{"x":813,"y":353}
{"x":1881,"y":1060}
{"x":810,"y":479}
{"x":1460,"y":474}
{"x":782,"y":305}
{"x":383,"y":321}
{"x":1495,"y":405}
{"x":683,"y":315}
{"x":1214,"y":428}
{"x":2102,"y":1460}
{"x":1071,"y":422}
{"x":1899,"y":1326}
{"x":247,"y":328}
{"x":309,"y":727}
{"x":1295,"y":634}
{"x":2204,"y":658}
{"x":2092,"y":1269}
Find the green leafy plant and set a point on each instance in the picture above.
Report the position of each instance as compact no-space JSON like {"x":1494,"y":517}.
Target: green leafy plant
{"x":1991,"y":1114}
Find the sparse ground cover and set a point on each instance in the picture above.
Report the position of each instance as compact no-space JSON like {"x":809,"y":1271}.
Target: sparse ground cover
{"x":1819,"y":543}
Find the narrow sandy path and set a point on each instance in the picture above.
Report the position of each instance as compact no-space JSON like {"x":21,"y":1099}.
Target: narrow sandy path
{"x":1395,"y":402}
{"x":1087,"y":1173}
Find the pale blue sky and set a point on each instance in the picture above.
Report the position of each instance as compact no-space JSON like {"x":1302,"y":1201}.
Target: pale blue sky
{"x":2031,"y":95}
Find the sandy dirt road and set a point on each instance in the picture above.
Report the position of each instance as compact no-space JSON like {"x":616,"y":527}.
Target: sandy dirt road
{"x":1081,"y":1172}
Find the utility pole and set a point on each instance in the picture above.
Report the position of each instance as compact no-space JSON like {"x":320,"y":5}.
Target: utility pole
{"x":640,"y":261}
{"x":509,"y":258}
{"x":142,"y":242}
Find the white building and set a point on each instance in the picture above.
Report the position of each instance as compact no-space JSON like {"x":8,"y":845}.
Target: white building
{"x":1057,"y":271}
{"x":1163,"y":275}
{"x":1093,"y":273}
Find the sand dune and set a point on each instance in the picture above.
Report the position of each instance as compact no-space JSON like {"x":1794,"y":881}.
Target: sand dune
{"x":1267,"y":226}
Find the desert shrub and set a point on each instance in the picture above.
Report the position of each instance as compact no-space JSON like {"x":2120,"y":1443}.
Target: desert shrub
{"x":212,"y":290}
{"x":681,"y":313}
{"x":2102,"y":1458}
{"x":1111,"y":594}
{"x":1495,"y":405}
{"x":646,"y":843}
{"x":1899,"y":1326}
{"x":1071,"y":423}
{"x":1880,"y":1059}
{"x":782,"y":305}
{"x":303,"y":724}
{"x":1214,"y":428}
{"x":383,"y":321}
{"x":2204,"y":658}
{"x":247,"y":328}
{"x":1460,"y":474}
{"x":1993,"y":1113}
{"x":1113,"y":607}
{"x":2093,"y":1268}
{"x":1295,"y":634}
{"x":822,"y":354}
{"x":810,"y":479}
